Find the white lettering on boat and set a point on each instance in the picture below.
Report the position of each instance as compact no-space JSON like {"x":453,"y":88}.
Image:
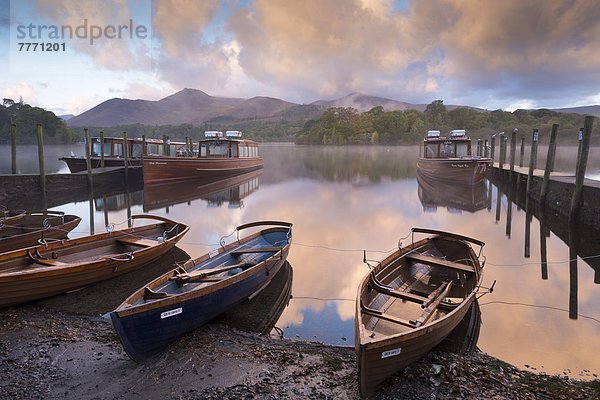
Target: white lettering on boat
{"x":391,"y":353}
{"x":213,"y":253}
{"x":170,"y":313}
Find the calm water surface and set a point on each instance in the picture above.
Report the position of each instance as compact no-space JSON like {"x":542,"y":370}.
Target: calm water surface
{"x":343,"y":200}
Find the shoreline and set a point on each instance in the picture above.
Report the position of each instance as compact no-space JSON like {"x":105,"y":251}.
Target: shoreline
{"x":50,"y":354}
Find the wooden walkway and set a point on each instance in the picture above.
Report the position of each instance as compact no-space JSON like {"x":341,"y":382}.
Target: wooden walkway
{"x":539,"y":173}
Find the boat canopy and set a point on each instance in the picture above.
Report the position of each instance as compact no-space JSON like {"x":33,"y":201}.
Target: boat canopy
{"x":433,"y":134}
{"x":458,"y":133}
{"x":213,"y":134}
{"x":237,"y":134}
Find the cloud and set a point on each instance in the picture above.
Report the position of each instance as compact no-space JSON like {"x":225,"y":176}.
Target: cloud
{"x":20,"y":90}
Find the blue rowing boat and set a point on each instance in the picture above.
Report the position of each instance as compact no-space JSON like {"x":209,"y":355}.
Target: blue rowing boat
{"x":191,"y":295}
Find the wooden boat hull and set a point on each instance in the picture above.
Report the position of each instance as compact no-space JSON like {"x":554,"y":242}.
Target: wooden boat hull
{"x":463,"y":171}
{"x":28,"y":229}
{"x":382,"y":351}
{"x":146,"y":327}
{"x":78,"y":164}
{"x":434,"y":193}
{"x":28,"y":274}
{"x":170,"y":169}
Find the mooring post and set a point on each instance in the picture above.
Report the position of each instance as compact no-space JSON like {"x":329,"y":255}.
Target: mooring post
{"x":533,"y":160}
{"x":528,"y":218}
{"x":492,"y":148}
{"x":522,"y":155}
{"x":573,"y":281}
{"x":13,"y":148}
{"x":581,"y":166}
{"x":126,"y":157}
{"x":513,"y":147}
{"x":579,"y":141}
{"x":165,"y":145}
{"x":498,"y":203}
{"x":88,"y":156}
{"x":501,"y":152}
{"x":144,"y":148}
{"x":479,"y":152}
{"x":40,"y":139}
{"x":101,"y":149}
{"x":549,"y":164}
{"x":543,"y":246}
{"x":486,"y":148}
{"x":509,"y":207}
{"x":168,"y":146}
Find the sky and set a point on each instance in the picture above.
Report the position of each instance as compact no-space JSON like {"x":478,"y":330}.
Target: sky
{"x":491,"y":54}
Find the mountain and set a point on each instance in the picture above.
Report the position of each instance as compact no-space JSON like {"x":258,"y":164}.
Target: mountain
{"x":65,"y":117}
{"x":587,"y":110}
{"x":186,"y":106}
{"x":259,"y":107}
{"x":363,"y":102}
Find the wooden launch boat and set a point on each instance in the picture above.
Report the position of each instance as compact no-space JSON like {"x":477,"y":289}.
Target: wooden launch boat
{"x":110,"y":152}
{"x":411,"y":301}
{"x":34,"y":227}
{"x":199,"y":290}
{"x":58,"y":267}
{"x":218,"y":155}
{"x":449,"y":159}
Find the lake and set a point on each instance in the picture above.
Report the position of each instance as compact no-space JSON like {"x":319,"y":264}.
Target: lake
{"x":343,"y":200}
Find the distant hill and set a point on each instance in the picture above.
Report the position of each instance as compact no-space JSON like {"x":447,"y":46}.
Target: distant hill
{"x":65,"y":117}
{"x":186,"y":106}
{"x":363,"y":102}
{"x":192,"y":106}
{"x":586,"y":110}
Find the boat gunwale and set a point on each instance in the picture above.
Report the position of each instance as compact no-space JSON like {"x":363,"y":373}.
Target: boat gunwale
{"x":128,"y":306}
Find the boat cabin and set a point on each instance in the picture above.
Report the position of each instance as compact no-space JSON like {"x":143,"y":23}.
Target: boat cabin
{"x":230,"y":145}
{"x":112,"y":147}
{"x":456,"y":145}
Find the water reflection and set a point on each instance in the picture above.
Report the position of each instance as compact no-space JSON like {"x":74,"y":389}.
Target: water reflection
{"x":261,"y":312}
{"x":455,"y":198}
{"x":340,"y":209}
{"x":215,"y":191}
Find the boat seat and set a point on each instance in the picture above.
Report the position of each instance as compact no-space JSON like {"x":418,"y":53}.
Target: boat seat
{"x":387,"y":317}
{"x":249,"y":250}
{"x":135,"y":241}
{"x":405,"y":295}
{"x":438,"y":262}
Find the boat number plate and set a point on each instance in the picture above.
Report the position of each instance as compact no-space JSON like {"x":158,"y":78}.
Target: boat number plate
{"x":391,"y":353}
{"x":170,"y":313}
{"x":213,"y":253}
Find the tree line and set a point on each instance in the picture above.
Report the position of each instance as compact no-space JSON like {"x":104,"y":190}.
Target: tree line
{"x":334,"y":126}
{"x":26,"y":118}
{"x":342,"y":126}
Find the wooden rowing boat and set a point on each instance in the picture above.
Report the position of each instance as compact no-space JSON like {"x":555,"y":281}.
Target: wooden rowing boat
{"x":411,"y":301}
{"x":35,"y":227}
{"x":199,"y":290}
{"x":58,"y":267}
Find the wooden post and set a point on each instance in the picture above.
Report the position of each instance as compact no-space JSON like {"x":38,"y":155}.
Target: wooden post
{"x":101,"y":149}
{"x":498,"y":203}
{"x":528,"y":218}
{"x":165,"y":146}
{"x":144,"y":147}
{"x":486,"y":148}
{"x":168,"y":146}
{"x":509,"y":207}
{"x":13,"y":148}
{"x":579,"y":140}
{"x":493,"y":148}
{"x":543,"y":246}
{"x":88,"y":161}
{"x":105,"y":210}
{"x":479,"y":147}
{"x":126,"y":157}
{"x":513,"y":147}
{"x":40,"y":139}
{"x":533,"y":159}
{"x":573,"y":284}
{"x":501,"y":152}
{"x":522,"y":155}
{"x":581,"y":166}
{"x":549,"y":164}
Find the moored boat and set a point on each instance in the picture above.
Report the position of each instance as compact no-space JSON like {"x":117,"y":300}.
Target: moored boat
{"x":110,"y":152}
{"x":35,"y":227}
{"x":192,"y":294}
{"x":456,"y":198}
{"x":58,"y":267}
{"x":218,"y":155}
{"x":411,"y":301}
{"x":449,"y":159}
